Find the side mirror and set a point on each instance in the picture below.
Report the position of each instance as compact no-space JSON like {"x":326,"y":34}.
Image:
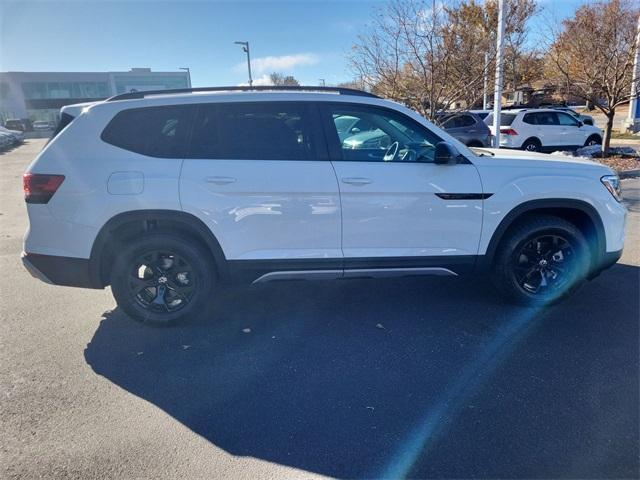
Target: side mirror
{"x":445,"y":154}
{"x":580,"y":123}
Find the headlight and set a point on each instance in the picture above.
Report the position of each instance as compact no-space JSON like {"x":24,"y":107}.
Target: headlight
{"x":612,"y":183}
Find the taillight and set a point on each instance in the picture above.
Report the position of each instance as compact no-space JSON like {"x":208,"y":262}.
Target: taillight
{"x":508,"y":131}
{"x":40,"y":187}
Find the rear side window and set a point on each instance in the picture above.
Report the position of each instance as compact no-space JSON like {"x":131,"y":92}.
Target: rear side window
{"x":506,"y":119}
{"x":254,"y":131}
{"x":153,"y":131}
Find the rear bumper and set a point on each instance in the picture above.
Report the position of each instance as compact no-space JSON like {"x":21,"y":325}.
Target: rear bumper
{"x":67,"y":271}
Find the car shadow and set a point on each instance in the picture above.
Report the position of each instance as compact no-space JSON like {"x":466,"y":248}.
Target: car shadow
{"x":430,"y":377}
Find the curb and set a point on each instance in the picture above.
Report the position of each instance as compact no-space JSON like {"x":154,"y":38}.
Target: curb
{"x":629,"y":174}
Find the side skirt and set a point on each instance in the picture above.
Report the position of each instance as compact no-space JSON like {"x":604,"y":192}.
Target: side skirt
{"x":261,"y":271}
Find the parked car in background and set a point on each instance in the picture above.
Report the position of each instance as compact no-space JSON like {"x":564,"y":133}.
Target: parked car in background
{"x":42,"y":125}
{"x":543,"y":130}
{"x":468,"y":128}
{"x":19,"y":136}
{"x":15,"y":124}
{"x":6,"y":141}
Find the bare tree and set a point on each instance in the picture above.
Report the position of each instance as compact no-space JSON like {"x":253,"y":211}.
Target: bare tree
{"x":592,"y":54}
{"x":283,"y":80}
{"x":430,"y":54}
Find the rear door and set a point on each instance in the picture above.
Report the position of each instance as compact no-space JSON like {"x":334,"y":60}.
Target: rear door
{"x":257,"y":174}
{"x":400,"y":209}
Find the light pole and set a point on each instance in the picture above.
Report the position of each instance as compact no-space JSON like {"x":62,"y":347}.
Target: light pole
{"x":245,"y":47}
{"x":321,"y":80}
{"x":633,"y":118}
{"x":186,"y":69}
{"x":497,"y":93}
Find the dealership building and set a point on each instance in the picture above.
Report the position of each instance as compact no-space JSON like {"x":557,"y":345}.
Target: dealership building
{"x":40,"y":95}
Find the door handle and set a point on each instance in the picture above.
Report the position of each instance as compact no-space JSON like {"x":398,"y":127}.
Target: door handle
{"x":220,"y":180}
{"x":356,"y":180}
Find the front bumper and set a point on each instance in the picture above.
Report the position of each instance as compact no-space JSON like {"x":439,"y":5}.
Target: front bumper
{"x":607,"y":260}
{"x":67,"y":271}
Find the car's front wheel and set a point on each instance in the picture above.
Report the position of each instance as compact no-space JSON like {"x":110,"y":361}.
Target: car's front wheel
{"x":162,"y":278}
{"x":543,"y":259}
{"x":593,"y":140}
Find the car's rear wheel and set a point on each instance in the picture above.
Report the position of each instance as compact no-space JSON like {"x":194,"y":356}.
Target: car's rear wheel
{"x":162,"y":278}
{"x":542,"y":259}
{"x":532,"y":145}
{"x":593,"y":140}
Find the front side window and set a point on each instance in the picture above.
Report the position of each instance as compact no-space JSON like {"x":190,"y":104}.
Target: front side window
{"x":380,"y":135}
{"x":153,"y":131}
{"x":567,"y":120}
{"x":253,"y":131}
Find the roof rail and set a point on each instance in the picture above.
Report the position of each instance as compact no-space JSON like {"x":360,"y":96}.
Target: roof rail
{"x":297,"y":88}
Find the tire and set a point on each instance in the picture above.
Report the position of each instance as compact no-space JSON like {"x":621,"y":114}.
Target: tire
{"x":532,"y":145}
{"x":541,"y":260}
{"x":593,"y":140}
{"x":163,"y":278}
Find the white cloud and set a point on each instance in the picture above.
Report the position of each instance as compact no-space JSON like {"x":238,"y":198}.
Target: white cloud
{"x":280,"y":63}
{"x":262,"y":80}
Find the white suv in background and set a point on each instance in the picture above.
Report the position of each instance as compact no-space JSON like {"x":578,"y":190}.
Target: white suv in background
{"x":543,"y":130}
{"x":166,"y":196}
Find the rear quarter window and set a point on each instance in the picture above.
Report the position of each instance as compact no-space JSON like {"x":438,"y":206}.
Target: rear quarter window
{"x":152,"y":131}
{"x":506,"y":119}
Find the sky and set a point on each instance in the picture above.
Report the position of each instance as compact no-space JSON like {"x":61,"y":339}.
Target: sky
{"x":306,"y":39}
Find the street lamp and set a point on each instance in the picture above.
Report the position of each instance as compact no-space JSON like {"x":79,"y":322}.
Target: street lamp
{"x":186,"y":69}
{"x":245,"y":47}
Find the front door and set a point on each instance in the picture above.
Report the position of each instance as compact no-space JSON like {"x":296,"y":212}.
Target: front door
{"x":400,"y":209}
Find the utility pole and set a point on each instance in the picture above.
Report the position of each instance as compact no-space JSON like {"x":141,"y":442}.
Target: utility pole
{"x":497,"y":93}
{"x":485,"y":74}
{"x":245,"y":48}
{"x":632,"y":123}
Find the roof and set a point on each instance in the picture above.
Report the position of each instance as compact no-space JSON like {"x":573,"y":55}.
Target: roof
{"x":245,"y":89}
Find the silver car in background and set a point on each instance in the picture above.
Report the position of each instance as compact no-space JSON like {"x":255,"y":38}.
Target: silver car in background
{"x":467,"y":127}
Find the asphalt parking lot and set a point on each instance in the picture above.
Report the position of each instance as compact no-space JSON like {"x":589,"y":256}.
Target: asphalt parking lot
{"x":420,"y":378}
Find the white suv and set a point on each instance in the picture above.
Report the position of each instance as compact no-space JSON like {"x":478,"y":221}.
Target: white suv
{"x":167,"y":196}
{"x":543,"y":130}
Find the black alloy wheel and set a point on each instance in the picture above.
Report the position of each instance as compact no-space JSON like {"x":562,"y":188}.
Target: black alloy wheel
{"x":544,"y":264}
{"x":162,"y":281}
{"x":163,"y":277}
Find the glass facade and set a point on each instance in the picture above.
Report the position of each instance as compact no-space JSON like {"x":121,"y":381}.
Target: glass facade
{"x":40,"y":95}
{"x":126,"y":83}
{"x":48,"y":114}
{"x":42,"y":90}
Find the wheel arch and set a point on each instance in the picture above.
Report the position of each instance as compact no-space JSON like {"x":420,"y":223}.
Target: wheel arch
{"x":128,"y":224}
{"x":578,"y":212}
{"x":532,"y":138}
